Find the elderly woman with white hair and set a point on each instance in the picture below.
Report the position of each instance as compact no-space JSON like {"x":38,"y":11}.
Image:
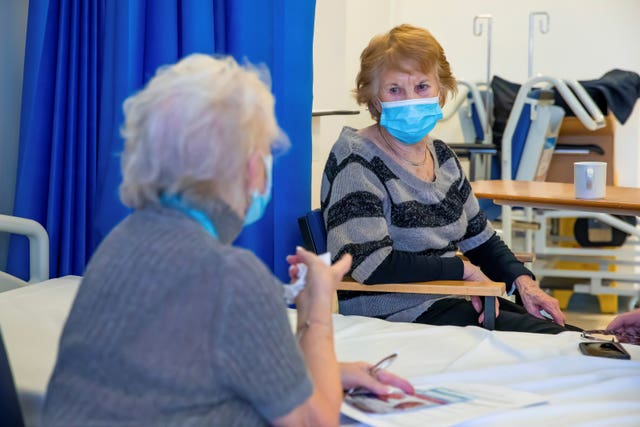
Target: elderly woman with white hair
{"x":173,"y":325}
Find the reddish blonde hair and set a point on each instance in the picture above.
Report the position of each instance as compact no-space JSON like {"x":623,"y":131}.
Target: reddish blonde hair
{"x":392,"y":50}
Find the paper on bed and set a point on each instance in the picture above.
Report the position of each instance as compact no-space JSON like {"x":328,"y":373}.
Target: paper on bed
{"x":445,"y":405}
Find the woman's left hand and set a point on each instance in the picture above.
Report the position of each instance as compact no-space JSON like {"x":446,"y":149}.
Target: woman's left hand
{"x":478,"y":306}
{"x":535,"y":300}
{"x":358,"y":374}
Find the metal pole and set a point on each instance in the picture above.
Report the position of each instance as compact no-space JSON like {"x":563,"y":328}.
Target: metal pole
{"x":544,"y":28}
{"x":478,"y":26}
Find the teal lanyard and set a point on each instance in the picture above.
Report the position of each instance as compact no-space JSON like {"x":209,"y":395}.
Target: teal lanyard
{"x":176,"y":203}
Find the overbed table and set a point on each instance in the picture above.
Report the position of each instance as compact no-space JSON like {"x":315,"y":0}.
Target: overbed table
{"x":557,"y":195}
{"x":554,"y":197}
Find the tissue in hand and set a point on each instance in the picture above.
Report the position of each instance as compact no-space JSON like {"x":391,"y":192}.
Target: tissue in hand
{"x":291,"y":291}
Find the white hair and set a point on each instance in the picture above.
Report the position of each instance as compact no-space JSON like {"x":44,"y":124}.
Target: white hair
{"x":191,"y":130}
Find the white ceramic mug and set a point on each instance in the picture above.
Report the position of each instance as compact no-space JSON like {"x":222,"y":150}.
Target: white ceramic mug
{"x":590,"y":179}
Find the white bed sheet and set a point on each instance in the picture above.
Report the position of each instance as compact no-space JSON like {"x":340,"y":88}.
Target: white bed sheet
{"x":581,"y":390}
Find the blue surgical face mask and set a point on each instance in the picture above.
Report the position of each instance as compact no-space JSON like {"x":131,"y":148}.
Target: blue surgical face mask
{"x":412,"y":119}
{"x":259,"y":201}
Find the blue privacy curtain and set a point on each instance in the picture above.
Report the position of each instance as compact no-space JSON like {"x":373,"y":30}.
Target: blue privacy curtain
{"x":83,"y":58}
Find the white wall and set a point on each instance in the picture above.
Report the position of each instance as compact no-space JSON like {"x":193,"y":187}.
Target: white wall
{"x":13,"y":23}
{"x":586,"y":39}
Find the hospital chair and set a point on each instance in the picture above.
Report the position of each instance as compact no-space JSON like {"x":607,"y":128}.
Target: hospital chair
{"x":528,"y":142}
{"x":38,"y":250}
{"x":314,"y":237}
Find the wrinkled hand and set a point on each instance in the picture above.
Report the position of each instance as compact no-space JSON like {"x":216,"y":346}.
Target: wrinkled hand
{"x":321,"y":281}
{"x":358,"y":374}
{"x":628,"y":323}
{"x":473,"y":273}
{"x":536,"y":300}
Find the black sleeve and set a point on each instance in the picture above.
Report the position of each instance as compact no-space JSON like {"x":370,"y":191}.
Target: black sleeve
{"x":404,"y":267}
{"x":497,"y":261}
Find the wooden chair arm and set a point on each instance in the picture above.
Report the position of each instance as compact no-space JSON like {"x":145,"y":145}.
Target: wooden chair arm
{"x":489,"y":290}
{"x":525,"y":256}
{"x":519,"y":225}
{"x":444,"y":287}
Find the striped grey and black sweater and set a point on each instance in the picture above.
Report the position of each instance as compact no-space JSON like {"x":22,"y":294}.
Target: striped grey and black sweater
{"x":399,"y":228}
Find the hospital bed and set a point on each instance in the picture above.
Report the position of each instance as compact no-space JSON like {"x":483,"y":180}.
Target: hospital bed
{"x":528,"y":142}
{"x":527,"y":127}
{"x":532,"y":129}
{"x":578,"y":390}
{"x":38,"y":250}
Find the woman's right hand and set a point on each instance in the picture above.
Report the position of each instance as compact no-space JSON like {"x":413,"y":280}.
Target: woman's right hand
{"x":473,"y":273}
{"x":321,"y":279}
{"x":360,"y":374}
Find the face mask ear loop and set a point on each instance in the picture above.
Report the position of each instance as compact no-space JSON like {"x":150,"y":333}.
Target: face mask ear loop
{"x":259,"y":201}
{"x":268,"y":173}
{"x":376,"y":104}
{"x":252,"y":191}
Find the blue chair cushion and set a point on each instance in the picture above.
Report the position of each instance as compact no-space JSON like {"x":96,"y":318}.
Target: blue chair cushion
{"x":314,"y":235}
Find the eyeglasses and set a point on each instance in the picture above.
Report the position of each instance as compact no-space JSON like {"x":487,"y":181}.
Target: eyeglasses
{"x":599,"y":335}
{"x":384,"y":363}
{"x":620,"y":335}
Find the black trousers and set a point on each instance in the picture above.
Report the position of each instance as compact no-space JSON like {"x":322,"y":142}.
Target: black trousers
{"x":513,"y":317}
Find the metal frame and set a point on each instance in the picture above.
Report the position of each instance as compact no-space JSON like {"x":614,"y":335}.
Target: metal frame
{"x":38,"y":249}
{"x":597,"y":281}
{"x":583,"y":106}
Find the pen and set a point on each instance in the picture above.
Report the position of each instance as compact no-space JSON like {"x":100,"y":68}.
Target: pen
{"x":384,"y":363}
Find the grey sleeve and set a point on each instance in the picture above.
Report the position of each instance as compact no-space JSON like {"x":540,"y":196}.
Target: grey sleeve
{"x":259,"y":354}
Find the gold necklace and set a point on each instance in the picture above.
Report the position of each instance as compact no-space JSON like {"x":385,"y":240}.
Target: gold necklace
{"x":384,"y":138}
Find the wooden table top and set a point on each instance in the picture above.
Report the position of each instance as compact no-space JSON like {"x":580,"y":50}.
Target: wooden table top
{"x":557,"y":195}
